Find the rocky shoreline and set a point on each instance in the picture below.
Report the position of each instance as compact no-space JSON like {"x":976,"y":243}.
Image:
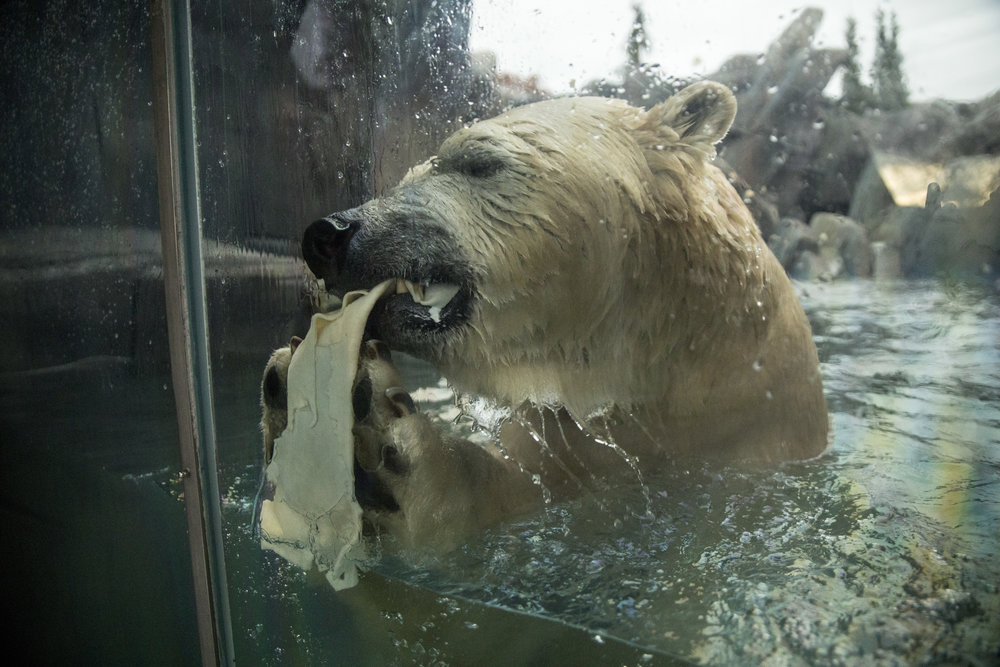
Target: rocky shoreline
{"x":909,"y":193}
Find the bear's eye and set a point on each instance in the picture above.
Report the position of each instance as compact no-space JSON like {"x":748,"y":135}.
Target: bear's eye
{"x":477,"y":166}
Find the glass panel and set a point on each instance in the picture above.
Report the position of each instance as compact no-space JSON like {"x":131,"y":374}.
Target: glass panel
{"x":881,"y":549}
{"x":96,"y":547}
{"x":874,"y":549}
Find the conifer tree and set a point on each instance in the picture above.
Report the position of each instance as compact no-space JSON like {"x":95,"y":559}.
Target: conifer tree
{"x":887,"y":71}
{"x":636,"y":80}
{"x":855,"y":96}
{"x":637,"y":41}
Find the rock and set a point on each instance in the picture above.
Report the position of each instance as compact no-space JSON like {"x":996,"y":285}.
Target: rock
{"x":739,"y":72}
{"x":890,"y":180}
{"x":807,"y":154}
{"x":978,"y":130}
{"x":790,"y":239}
{"x":762,"y":208}
{"x":810,"y":266}
{"x":793,"y":153}
{"x":960,"y":242}
{"x":968,"y":181}
{"x":837,"y":164}
{"x":894,"y":180}
{"x":900,"y":228}
{"x":780,"y":97}
{"x":830,"y":247}
{"x":885,"y":261}
{"x":918,"y":132}
{"x":786,"y":75}
{"x":942,"y":239}
{"x":843,"y":240}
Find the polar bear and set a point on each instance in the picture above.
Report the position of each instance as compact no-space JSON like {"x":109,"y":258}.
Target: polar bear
{"x":582,"y":264}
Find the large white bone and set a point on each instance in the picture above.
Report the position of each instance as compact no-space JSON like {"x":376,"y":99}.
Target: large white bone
{"x":314,"y":517}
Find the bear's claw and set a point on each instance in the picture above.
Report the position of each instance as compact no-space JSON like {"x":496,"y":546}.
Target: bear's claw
{"x":401,"y":401}
{"x":375,"y":349}
{"x":378,"y":401}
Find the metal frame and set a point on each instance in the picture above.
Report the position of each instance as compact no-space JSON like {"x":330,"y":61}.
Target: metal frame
{"x":187,"y":321}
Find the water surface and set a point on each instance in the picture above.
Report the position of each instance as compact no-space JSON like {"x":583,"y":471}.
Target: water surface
{"x":881,"y":551}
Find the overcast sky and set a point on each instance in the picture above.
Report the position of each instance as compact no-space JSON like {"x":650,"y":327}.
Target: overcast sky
{"x":950,"y":49}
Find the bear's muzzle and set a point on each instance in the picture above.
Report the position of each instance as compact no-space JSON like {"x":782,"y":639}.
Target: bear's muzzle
{"x":364,"y":246}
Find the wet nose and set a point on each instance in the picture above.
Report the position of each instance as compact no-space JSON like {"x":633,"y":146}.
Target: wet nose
{"x":325,"y":242}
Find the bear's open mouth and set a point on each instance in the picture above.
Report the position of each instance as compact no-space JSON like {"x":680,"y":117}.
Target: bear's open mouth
{"x":433,"y":296}
{"x":416,"y":314}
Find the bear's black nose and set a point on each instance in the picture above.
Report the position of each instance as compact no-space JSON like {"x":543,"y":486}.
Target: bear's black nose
{"x":324,"y":244}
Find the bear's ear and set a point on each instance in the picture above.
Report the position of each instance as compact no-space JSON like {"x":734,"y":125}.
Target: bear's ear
{"x":702,"y":111}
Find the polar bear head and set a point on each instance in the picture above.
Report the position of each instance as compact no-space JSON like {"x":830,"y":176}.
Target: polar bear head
{"x":577,"y":251}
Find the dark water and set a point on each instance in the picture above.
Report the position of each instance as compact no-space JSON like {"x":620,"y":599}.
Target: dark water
{"x":881,"y":551}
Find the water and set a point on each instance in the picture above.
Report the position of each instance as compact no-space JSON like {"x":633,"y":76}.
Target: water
{"x":881,"y":551}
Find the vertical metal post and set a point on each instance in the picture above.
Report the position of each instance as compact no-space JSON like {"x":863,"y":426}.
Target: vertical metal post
{"x":183,"y":278}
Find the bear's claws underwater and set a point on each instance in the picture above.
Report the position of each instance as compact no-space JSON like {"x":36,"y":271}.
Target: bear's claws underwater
{"x":582,"y":264}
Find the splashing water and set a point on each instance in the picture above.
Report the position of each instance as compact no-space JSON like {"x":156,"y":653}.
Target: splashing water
{"x":881,"y":551}
{"x":604,"y":436}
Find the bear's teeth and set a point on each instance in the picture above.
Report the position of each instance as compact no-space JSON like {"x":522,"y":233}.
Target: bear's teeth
{"x":435,"y":296}
{"x":416,"y":291}
{"x":438,"y":295}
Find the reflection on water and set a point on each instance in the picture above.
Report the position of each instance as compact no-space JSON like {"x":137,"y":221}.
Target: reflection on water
{"x":880,"y":551}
